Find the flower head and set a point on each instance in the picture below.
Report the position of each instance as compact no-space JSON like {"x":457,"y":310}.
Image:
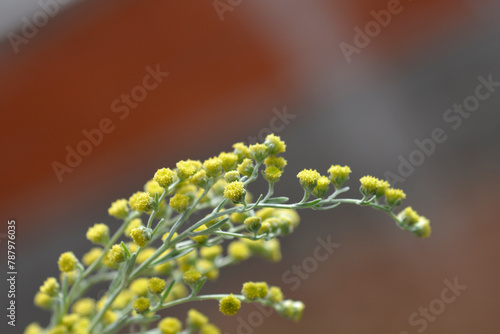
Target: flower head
{"x":258,"y":152}
{"x":232,"y":176}
{"x":134,"y":223}
{"x":253,"y":224}
{"x":119,"y":209}
{"x":50,"y":287}
{"x":170,"y":325}
{"x":200,"y":239}
{"x":238,"y":250}
{"x":98,"y":234}
{"x":275,"y":161}
{"x":272,"y":174}
{"x":43,"y":300}
{"x":241,"y":150}
{"x":252,"y":290}
{"x":372,"y":186}
{"x":308,"y":179}
{"x":84,"y":307}
{"x":235,"y":191}
{"x":141,"y":305}
{"x":339,"y":175}
{"x":179,"y":202}
{"x":275,"y":144}
{"x":192,"y":277}
{"x":152,"y":188}
{"x":210,"y":329}
{"x":196,"y":319}
{"x":321,"y":187}
{"x":293,"y":309}
{"x":213,"y":166}
{"x":229,"y":305}
{"x":117,"y":254}
{"x":140,"y":286}
{"x":141,"y":235}
{"x":275,"y":294}
{"x":156,"y":285}
{"x":67,"y":262}
{"x":245,"y":168}
{"x":199,"y":179}
{"x":229,"y":161}
{"x":165,"y":177}
{"x":393,"y":197}
{"x":186,"y":168}
{"x":141,"y":201}
{"x":210,"y":253}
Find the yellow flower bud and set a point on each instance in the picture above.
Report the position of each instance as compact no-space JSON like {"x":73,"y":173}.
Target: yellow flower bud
{"x":67,"y":262}
{"x":98,"y":234}
{"x":196,"y":319}
{"x":210,"y":253}
{"x":275,"y":294}
{"x":122,"y":300}
{"x":179,"y":202}
{"x":139,"y":287}
{"x":192,"y":277}
{"x":238,"y":250}
{"x":50,"y":287}
{"x":278,"y":162}
{"x":117,"y":254}
{"x":272,"y":174}
{"x":213,"y":166}
{"x":258,"y":152}
{"x":134,"y":223}
{"x":165,"y":177}
{"x":393,"y":197}
{"x":152,"y":188}
{"x":322,"y":187}
{"x":109,"y":317}
{"x":186,"y":168}
{"x":252,"y":290}
{"x":241,"y":150}
{"x":275,"y":144}
{"x":119,"y":209}
{"x":229,"y":305}
{"x":141,"y":235}
{"x":156,"y":285}
{"x":141,"y":305}
{"x":141,"y":201}
{"x":33,"y":328}
{"x":235,"y":191}
{"x":210,"y":329}
{"x":91,"y":256}
{"x":84,"y":307}
{"x":229,"y":161}
{"x":253,"y":224}
{"x":200,"y":178}
{"x":292,"y":309}
{"x":43,"y":300}
{"x":58,"y":329}
{"x":339,"y":175}
{"x":232,"y":176}
{"x":145,"y":254}
{"x":308,"y":179}
{"x":170,"y":325}
{"x":372,"y":186}
{"x":246,"y":167}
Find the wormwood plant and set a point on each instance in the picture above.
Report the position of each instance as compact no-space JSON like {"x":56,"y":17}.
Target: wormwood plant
{"x":164,"y":260}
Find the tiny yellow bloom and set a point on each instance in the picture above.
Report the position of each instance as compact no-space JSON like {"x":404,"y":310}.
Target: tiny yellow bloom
{"x":272,"y":174}
{"x":109,"y":317}
{"x":84,"y":307}
{"x":308,"y":179}
{"x":179,"y":202}
{"x":196,"y":319}
{"x":98,"y":234}
{"x":258,"y":152}
{"x":152,"y":187}
{"x":210,"y":253}
{"x":33,"y":328}
{"x":339,"y":175}
{"x":192,"y":276}
{"x":235,"y":191}
{"x":141,"y":235}
{"x":229,"y":305}
{"x":229,"y":161}
{"x":322,"y":187}
{"x":278,"y":162}
{"x":69,"y":320}
{"x":50,"y":287}
{"x":275,"y":144}
{"x":91,"y":256}
{"x":58,"y":329}
{"x":246,"y":167}
{"x":67,"y":262}
{"x":232,"y":176}
{"x":43,"y":300}
{"x":186,"y":168}
{"x":275,"y":294}
{"x":213,"y":166}
{"x":141,"y":201}
{"x":122,"y":300}
{"x":238,"y":250}
{"x":210,"y":329}
{"x":141,"y":305}
{"x":170,"y":325}
{"x":241,"y":150}
{"x":117,"y":254}
{"x":139,"y":287}
{"x":119,"y":209}
{"x":252,"y":290}
{"x":200,"y":178}
{"x":253,"y":224}
{"x":156,"y":285}
{"x":372,"y":186}
{"x":292,"y":309}
{"x":165,"y":177}
{"x":393,"y":197}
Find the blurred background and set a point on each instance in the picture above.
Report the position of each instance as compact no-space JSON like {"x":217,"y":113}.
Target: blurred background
{"x":342,"y":82}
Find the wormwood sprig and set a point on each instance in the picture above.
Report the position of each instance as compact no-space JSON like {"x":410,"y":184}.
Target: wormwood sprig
{"x":164,"y":261}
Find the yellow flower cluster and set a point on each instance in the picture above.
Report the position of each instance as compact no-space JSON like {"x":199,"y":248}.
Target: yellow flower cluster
{"x":308,"y":179}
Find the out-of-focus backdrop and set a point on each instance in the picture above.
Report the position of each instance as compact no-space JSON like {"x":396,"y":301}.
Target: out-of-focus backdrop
{"x":408,"y":90}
